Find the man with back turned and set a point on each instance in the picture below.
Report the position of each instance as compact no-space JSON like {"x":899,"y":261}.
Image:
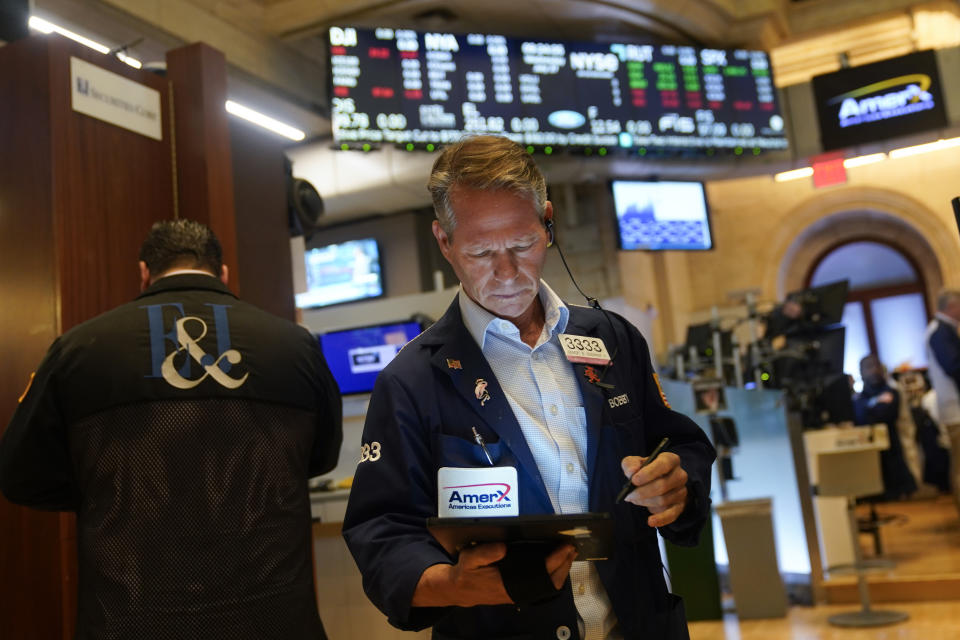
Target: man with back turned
{"x":489,"y":391}
{"x":181,"y":428}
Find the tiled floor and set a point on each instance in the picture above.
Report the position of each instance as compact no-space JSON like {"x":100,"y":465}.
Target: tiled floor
{"x":928,"y":621}
{"x":924,"y":540}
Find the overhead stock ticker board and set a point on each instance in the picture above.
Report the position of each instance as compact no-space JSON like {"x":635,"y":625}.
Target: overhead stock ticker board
{"x":399,"y":86}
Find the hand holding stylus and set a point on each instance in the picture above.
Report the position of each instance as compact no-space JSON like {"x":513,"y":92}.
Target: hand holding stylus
{"x":660,"y":486}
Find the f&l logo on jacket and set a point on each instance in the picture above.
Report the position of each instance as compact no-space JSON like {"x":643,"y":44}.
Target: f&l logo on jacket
{"x":186,"y":335}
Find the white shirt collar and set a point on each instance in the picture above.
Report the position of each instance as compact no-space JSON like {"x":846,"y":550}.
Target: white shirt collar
{"x":942,"y":317}
{"x":479,"y":321}
{"x":177,"y":272}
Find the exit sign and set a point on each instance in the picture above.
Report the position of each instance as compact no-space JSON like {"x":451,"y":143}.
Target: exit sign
{"x":828,"y":169}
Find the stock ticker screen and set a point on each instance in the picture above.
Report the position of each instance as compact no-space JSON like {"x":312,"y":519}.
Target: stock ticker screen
{"x":399,"y":86}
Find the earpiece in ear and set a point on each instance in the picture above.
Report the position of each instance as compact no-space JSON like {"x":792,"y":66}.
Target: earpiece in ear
{"x":548,"y":224}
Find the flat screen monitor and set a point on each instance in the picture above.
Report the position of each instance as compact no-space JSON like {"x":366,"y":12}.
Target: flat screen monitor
{"x":822,"y":305}
{"x":342,"y":272}
{"x":700,"y":337}
{"x":357,"y":356}
{"x":810,"y":356}
{"x":657,"y":216}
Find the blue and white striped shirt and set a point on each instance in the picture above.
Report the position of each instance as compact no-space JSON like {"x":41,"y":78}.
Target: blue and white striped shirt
{"x":543,"y":392}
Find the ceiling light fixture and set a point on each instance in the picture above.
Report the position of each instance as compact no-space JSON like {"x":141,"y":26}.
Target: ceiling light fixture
{"x":859,"y":161}
{"x":795,"y":174}
{"x":45,"y":26}
{"x":266,"y":122}
{"x":925,"y":148}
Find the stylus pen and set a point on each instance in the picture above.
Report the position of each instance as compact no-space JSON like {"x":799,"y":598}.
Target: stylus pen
{"x":483,"y":445}
{"x":628,"y":487}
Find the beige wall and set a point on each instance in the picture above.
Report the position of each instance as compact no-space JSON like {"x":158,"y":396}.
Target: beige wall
{"x":768,"y":235}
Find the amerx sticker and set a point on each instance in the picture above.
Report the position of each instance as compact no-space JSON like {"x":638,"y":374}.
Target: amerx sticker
{"x":477,"y":492}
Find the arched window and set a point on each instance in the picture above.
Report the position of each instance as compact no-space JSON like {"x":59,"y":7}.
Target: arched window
{"x":886,"y":310}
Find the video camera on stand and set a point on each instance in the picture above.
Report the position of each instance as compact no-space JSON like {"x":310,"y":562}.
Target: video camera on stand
{"x":708,"y":345}
{"x":801,"y":352}
{"x":808,"y":364}
{"x":711,"y":360}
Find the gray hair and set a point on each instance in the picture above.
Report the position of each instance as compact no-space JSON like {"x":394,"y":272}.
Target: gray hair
{"x":484,"y":163}
{"x":945,"y":297}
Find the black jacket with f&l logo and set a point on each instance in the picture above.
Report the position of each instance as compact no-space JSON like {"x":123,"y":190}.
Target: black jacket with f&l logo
{"x":182,"y":428}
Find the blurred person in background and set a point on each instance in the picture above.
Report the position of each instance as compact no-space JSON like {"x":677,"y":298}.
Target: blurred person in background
{"x":943,"y":360}
{"x":879,"y":403}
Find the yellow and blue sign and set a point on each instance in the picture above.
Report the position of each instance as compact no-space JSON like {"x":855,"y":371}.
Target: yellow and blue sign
{"x":883,"y":100}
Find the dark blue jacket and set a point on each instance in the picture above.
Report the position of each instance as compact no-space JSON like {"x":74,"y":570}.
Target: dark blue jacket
{"x":945,"y":344}
{"x":421,"y":413}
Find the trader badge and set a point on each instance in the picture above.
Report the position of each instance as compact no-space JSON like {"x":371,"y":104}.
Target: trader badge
{"x":481,"y":391}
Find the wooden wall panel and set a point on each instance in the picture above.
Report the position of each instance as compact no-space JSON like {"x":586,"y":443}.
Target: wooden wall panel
{"x":109,"y":186}
{"x":77,"y":196}
{"x":30,"y":592}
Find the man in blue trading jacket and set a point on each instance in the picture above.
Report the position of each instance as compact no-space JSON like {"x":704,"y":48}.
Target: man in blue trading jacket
{"x":943,"y":358}
{"x":495,"y":362}
{"x":182,"y":428}
{"x":880,"y":403}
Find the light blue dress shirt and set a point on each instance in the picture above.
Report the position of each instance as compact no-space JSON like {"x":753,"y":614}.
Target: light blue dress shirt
{"x":542,"y":390}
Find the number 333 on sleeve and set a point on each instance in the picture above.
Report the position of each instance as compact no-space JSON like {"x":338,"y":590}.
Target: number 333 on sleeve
{"x":370,"y":452}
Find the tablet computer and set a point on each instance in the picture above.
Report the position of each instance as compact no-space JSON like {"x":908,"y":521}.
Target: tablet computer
{"x":590,"y":533}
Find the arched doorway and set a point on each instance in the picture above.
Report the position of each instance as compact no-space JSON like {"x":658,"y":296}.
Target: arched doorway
{"x":831,"y":217}
{"x":886,"y":310}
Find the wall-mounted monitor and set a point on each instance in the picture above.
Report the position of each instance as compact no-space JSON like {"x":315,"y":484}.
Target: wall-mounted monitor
{"x":406,"y":87}
{"x":342,"y":272}
{"x":661,"y":215}
{"x":357,"y":356}
{"x":877,"y":101}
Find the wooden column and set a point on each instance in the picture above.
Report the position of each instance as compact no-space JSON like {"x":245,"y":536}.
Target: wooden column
{"x":204,"y":171}
{"x":29,"y":540}
{"x":77,"y":197}
{"x":263,"y":237}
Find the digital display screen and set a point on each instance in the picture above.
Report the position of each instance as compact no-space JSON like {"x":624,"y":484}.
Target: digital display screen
{"x":402,"y":86}
{"x":357,"y":356}
{"x":342,"y":273}
{"x":877,"y":101}
{"x":661,"y":215}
